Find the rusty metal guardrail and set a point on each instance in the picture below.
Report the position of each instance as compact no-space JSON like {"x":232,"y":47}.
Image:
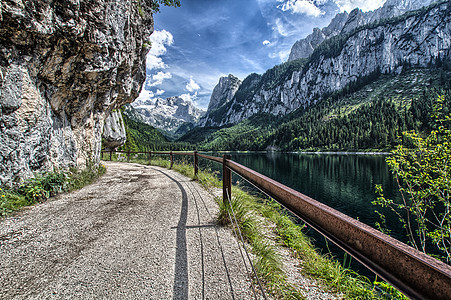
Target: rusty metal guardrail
{"x":412,"y":272}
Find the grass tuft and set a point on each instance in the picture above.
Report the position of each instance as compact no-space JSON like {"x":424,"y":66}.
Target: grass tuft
{"x":45,"y":185}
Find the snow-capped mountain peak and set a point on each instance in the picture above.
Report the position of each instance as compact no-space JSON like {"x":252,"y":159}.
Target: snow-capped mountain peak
{"x":168,"y":114}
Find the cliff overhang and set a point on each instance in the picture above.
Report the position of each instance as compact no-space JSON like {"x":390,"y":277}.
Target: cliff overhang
{"x":64,"y":66}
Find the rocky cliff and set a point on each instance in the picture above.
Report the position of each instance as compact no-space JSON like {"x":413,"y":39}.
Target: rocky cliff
{"x":166,"y":114}
{"x":344,"y":23}
{"x":64,"y":65}
{"x":223,"y":92}
{"x":416,"y":39}
{"x":304,"y":48}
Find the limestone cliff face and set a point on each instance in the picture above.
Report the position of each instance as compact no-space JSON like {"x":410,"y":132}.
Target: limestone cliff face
{"x":114,"y":134}
{"x":64,"y":65}
{"x":303,"y":48}
{"x":223,"y":91}
{"x":418,"y":38}
{"x":344,"y":23}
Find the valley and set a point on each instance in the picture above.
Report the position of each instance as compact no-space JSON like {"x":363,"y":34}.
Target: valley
{"x":367,"y":78}
{"x":371,"y":117}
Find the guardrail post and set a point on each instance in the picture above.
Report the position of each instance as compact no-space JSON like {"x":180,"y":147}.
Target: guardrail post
{"x":150,"y":157}
{"x":226,"y":180}
{"x":128,"y":156}
{"x":195,"y":164}
{"x":172,"y":160}
{"x":111,"y":155}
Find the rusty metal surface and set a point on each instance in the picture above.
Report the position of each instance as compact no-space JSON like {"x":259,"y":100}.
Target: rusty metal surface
{"x":183,"y":153}
{"x":213,"y":158}
{"x":196,"y":164}
{"x":414,"y":273}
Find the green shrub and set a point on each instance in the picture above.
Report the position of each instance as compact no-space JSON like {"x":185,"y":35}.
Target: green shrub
{"x":45,"y":185}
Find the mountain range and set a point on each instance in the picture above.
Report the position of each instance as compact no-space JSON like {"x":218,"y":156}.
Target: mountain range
{"x":168,"y":115}
{"x":346,"y":22}
{"x":386,"y":41}
{"x":394,"y":59}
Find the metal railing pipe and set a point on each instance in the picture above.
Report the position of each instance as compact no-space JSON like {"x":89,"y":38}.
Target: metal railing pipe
{"x":414,"y":273}
{"x":213,"y":158}
{"x":183,"y":153}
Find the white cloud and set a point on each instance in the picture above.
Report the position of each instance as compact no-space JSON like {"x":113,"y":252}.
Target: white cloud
{"x":348,"y":5}
{"x":154,"y":62}
{"x":158,"y":39}
{"x":158,"y":78}
{"x":307,"y":7}
{"x":266,"y":42}
{"x":251,"y":63}
{"x":284,"y":54}
{"x":189,"y":97}
{"x":145,"y":95}
{"x":192,"y":86}
{"x":280,"y":28}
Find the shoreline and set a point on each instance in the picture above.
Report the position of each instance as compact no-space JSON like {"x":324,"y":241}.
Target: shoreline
{"x":306,"y":152}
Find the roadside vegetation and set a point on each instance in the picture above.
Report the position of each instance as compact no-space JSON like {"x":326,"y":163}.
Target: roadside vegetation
{"x":422,"y":170}
{"x":45,"y":185}
{"x":266,"y":227}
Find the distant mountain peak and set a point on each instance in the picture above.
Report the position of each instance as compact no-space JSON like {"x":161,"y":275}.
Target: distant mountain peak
{"x":223,"y":92}
{"x":167,"y":114}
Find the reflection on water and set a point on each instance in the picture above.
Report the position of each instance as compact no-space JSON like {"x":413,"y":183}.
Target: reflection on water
{"x":344,"y":182}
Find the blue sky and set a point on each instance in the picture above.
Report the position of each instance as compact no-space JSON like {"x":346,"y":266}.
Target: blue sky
{"x":197,"y":43}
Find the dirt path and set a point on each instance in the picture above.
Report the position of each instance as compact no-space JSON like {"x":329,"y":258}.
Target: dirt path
{"x":140,"y":232}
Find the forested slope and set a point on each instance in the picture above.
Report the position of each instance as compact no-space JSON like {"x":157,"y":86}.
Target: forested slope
{"x":370,"y":115}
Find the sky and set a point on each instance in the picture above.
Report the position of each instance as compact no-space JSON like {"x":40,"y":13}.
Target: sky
{"x":197,"y":43}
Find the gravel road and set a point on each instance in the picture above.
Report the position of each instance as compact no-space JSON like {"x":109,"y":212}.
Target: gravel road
{"x":140,"y":232}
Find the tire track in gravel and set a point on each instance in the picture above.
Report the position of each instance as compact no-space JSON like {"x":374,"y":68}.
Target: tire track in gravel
{"x":206,"y":220}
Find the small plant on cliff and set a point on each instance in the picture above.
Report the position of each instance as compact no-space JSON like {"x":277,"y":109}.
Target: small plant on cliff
{"x":423,"y":175}
{"x":155,"y":4}
{"x":147,"y":44}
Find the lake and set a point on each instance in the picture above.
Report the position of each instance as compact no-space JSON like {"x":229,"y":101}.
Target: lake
{"x":345,"y":182}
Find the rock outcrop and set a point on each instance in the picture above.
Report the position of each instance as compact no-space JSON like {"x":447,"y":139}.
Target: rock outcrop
{"x":64,"y":65}
{"x":416,"y":39}
{"x":303,"y":48}
{"x":114,"y":134}
{"x":222,"y":93}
